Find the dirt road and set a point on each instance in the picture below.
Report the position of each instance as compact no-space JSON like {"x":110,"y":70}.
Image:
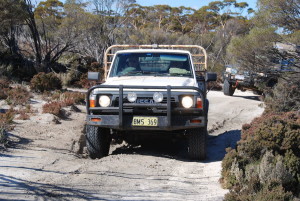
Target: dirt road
{"x":43,"y":166}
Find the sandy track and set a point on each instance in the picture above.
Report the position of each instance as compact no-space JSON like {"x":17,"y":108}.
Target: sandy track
{"x":43,"y":165}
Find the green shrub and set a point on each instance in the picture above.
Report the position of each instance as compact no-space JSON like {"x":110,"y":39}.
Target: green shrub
{"x":45,"y":82}
{"x":266,"y":160}
{"x":285,"y":96}
{"x":69,"y":78}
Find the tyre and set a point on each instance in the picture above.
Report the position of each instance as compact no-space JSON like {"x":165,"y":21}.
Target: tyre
{"x":228,"y":89}
{"x":197,"y":143}
{"x":271,"y":82}
{"x":97,"y":141}
{"x":257,"y":92}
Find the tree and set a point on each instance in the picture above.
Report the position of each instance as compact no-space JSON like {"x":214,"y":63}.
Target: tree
{"x":255,"y":51}
{"x":282,"y":14}
{"x":12,"y":18}
{"x":44,"y":31}
{"x":222,"y":20}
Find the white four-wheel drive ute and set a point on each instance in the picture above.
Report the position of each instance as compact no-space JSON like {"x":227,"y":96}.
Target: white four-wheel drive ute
{"x":149,"y":90}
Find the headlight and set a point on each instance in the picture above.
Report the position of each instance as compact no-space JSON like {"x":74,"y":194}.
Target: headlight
{"x":187,"y":102}
{"x":104,"y":101}
{"x":158,"y":97}
{"x":131,"y":97}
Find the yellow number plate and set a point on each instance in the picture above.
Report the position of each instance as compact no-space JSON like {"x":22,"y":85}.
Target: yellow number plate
{"x":144,"y":121}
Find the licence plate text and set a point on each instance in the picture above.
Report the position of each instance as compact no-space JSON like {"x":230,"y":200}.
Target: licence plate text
{"x":144,"y":121}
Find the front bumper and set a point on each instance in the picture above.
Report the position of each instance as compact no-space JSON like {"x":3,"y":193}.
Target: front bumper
{"x":177,"y":123}
{"x":169,"y":117}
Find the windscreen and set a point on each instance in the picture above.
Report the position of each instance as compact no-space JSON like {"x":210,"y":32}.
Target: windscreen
{"x":151,"y":64}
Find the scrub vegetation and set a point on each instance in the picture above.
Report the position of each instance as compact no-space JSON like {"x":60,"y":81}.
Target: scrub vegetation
{"x":265,"y":165}
{"x":53,"y":45}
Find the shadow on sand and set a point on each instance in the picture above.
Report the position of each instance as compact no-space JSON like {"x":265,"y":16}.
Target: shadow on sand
{"x":216,"y":147}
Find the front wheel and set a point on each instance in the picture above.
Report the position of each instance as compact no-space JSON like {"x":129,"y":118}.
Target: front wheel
{"x":228,"y":89}
{"x":97,"y":141}
{"x":197,"y":143}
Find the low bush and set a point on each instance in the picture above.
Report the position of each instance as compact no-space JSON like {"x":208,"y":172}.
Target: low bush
{"x":69,"y":78}
{"x":54,"y":108}
{"x":69,"y":97}
{"x":59,"y":99}
{"x":4,"y":83}
{"x":84,"y":82}
{"x":23,"y":115}
{"x":3,"y":93}
{"x":266,"y":160}
{"x":4,"y":87}
{"x":77,"y":97}
{"x":3,"y":137}
{"x":45,"y":82}
{"x":285,"y":96}
{"x":17,"y":96}
{"x":7,"y":118}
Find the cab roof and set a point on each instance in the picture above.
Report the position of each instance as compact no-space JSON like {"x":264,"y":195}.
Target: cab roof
{"x":153,"y":51}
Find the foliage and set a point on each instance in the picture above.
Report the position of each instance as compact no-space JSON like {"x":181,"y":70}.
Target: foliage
{"x":283,"y":14}
{"x":59,"y":99}
{"x":84,"y":82}
{"x":53,"y":28}
{"x":12,"y":16}
{"x":75,"y":97}
{"x":18,"y":96}
{"x":286,"y":94}
{"x":54,"y":108}
{"x":266,"y":163}
{"x":255,"y":51}
{"x":4,"y":87}
{"x":77,"y":70}
{"x":266,"y":160}
{"x":45,"y":82}
{"x":3,"y":136}
{"x":7,"y":117}
{"x":23,"y":115}
{"x":4,"y":83}
{"x":216,"y":85}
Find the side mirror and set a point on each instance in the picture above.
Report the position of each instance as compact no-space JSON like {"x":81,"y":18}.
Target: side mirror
{"x":93,"y":76}
{"x":209,"y":76}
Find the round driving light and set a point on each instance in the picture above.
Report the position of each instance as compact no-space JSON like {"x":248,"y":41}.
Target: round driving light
{"x":131,"y":97}
{"x":158,"y":97}
{"x":104,"y":101}
{"x":187,"y":102}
